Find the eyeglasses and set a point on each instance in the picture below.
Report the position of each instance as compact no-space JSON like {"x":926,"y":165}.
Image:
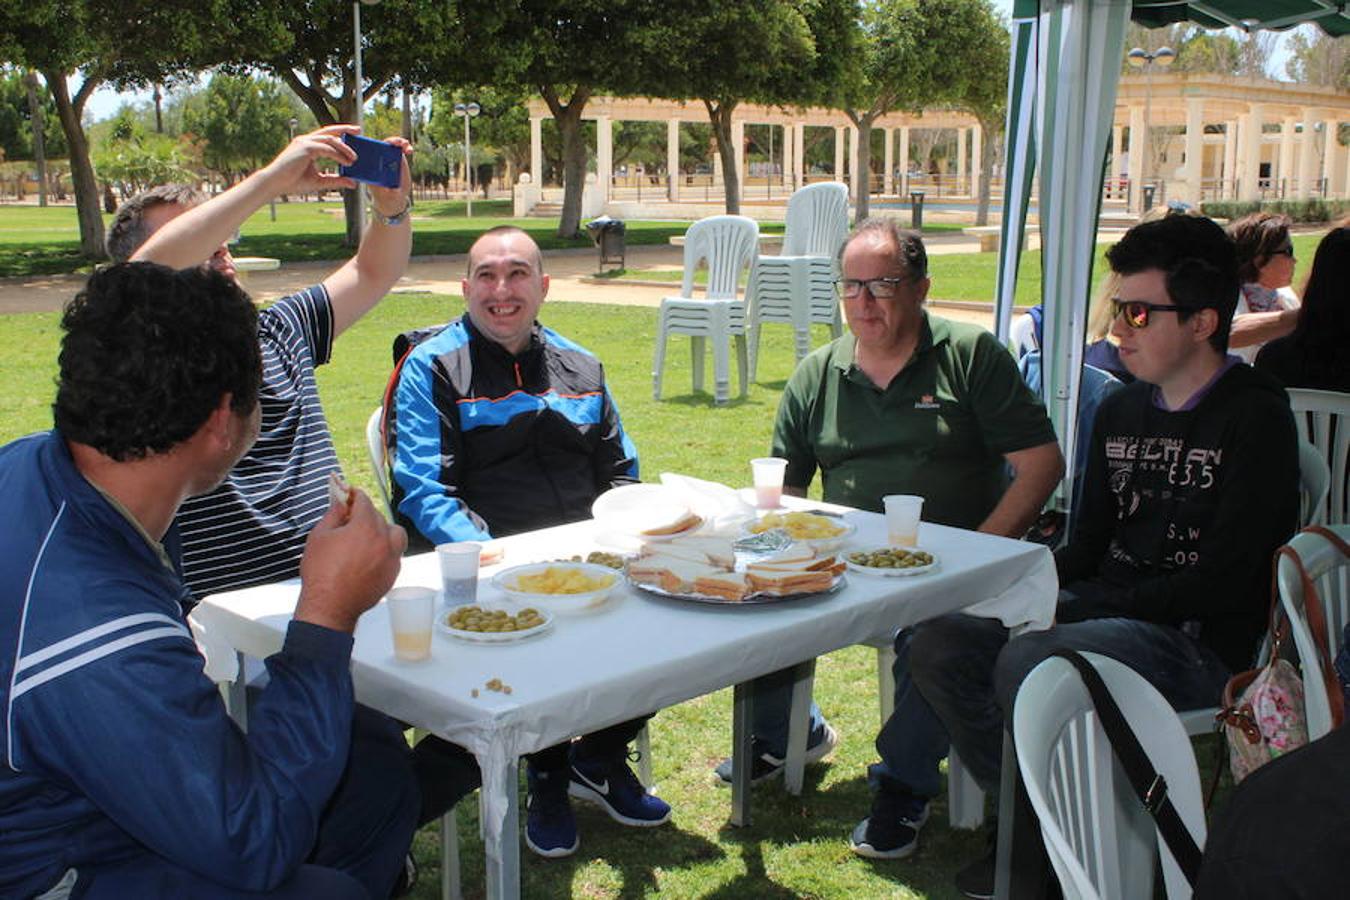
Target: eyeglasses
{"x":1137,"y":311}
{"x":879,"y":288}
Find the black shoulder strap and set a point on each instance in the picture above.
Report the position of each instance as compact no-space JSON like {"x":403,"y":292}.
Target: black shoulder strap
{"x":1149,"y":786}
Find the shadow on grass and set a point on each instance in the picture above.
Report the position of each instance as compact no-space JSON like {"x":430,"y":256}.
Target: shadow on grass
{"x":755,"y":882}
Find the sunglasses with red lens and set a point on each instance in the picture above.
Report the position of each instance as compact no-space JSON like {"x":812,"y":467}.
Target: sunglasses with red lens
{"x":1137,"y":311}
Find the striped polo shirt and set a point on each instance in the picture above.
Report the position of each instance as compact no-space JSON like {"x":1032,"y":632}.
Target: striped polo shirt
{"x":252,"y":528}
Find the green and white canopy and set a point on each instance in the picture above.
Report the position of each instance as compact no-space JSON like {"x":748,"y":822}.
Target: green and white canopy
{"x":1065,"y":69}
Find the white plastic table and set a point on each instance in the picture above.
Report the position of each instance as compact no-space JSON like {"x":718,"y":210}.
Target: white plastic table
{"x":637,"y":654}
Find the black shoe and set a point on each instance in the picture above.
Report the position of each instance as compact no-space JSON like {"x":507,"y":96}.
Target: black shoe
{"x":406,"y":879}
{"x":891,"y":831}
{"x":976,"y":880}
{"x":766,"y":765}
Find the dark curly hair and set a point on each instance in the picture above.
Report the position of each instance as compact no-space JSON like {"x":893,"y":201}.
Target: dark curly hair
{"x":1197,"y":259}
{"x":147,"y":354}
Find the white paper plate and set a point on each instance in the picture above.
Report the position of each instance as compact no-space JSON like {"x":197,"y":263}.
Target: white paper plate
{"x":632,"y":508}
{"x":891,"y":573}
{"x":492,"y":637}
{"x":506,"y":581}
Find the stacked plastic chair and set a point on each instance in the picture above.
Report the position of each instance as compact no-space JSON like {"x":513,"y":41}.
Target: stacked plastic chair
{"x":728,"y":243}
{"x":797,"y":287}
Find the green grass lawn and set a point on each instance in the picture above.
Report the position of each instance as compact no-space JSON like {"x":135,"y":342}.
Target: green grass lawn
{"x":36,"y":241}
{"x":797,"y":847}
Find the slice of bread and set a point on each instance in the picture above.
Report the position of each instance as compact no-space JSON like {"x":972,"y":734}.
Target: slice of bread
{"x":793,"y":553}
{"x":727,"y":585}
{"x":798,"y":582}
{"x":670,"y":573}
{"x":717,"y":550}
{"x":686,"y":522}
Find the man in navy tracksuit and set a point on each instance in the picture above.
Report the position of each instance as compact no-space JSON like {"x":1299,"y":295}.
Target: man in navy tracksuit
{"x":499,"y":426}
{"x":123,"y":775}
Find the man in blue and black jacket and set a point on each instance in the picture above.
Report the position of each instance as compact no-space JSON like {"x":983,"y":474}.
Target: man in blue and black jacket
{"x":123,"y":775}
{"x":500,"y":425}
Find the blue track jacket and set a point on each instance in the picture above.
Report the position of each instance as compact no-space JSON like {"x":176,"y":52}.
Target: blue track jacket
{"x":487,"y":444}
{"x":115,"y":743}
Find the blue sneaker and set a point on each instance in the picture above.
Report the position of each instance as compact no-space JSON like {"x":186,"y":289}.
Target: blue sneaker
{"x":550,"y":828}
{"x":612,"y":786}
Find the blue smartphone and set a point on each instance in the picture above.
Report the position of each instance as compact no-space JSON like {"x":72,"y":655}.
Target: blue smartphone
{"x":377,"y":162}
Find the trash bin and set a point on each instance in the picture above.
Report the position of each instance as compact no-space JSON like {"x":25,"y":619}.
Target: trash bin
{"x":608,"y":235}
{"x":1148,"y":196}
{"x":916,"y":210}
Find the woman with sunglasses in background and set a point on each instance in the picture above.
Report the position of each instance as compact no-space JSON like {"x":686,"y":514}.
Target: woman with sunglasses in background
{"x":1317,"y":354}
{"x":1267,"y":305}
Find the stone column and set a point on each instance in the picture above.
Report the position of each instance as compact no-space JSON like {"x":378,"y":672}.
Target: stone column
{"x":1138,"y":152}
{"x":1230,"y":135}
{"x":888,"y":174}
{"x":786,"y":180}
{"x":537,"y":150}
{"x":798,"y":154}
{"x":839,"y":153}
{"x":1331,"y":155}
{"x":976,"y":159}
{"x":1250,"y":166}
{"x":673,"y":160}
{"x":855,"y":177}
{"x":604,"y":156}
{"x":1307,"y":177}
{"x":903,"y":158}
{"x":1284,"y":167}
{"x":961,"y":159}
{"x":717,"y":161}
{"x":1195,"y":148}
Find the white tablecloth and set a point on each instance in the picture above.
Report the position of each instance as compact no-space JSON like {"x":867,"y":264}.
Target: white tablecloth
{"x":638,"y":653}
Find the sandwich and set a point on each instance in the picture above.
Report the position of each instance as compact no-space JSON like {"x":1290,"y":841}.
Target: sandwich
{"x":718,"y":551}
{"x":789,"y":581}
{"x":687,"y":522}
{"x":670,"y":573}
{"x":731,"y":586}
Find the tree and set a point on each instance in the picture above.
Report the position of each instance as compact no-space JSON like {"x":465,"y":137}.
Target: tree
{"x":128,"y":43}
{"x":404,"y":38}
{"x":786,"y":52}
{"x":913,"y":54}
{"x":1319,"y":59}
{"x":125,"y":153}
{"x":241,"y":121}
{"x":984,"y":90}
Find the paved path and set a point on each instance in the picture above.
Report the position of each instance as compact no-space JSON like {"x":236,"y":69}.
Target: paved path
{"x":442,"y":274}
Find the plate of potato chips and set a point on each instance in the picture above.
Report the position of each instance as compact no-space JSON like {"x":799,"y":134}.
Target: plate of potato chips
{"x":562,"y":587}
{"x":824,"y":534}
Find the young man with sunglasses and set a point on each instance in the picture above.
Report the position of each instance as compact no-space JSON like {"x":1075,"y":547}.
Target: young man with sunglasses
{"x":1191,"y":485}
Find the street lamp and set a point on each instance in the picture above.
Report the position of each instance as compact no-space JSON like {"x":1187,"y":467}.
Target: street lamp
{"x":1142,"y":59}
{"x":468,"y":111}
{"x":360,"y":117}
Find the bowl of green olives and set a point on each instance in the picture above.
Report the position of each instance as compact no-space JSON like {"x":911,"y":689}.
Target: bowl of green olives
{"x":493,"y":625}
{"x":891,"y":561}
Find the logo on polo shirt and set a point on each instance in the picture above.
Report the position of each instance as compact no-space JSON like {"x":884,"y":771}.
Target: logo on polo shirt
{"x":926,"y":401}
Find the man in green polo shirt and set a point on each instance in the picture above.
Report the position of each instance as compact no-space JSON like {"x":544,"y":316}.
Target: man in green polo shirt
{"x":906,"y":403}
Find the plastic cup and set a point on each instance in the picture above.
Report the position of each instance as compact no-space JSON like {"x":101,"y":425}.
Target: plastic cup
{"x":410,"y":613}
{"x":767,"y":473}
{"x":902,"y":519}
{"x":459,"y":572}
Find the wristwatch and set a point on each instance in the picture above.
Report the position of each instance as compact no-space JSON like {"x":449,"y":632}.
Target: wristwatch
{"x":397,"y":218}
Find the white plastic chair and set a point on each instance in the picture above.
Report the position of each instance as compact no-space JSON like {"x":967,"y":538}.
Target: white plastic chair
{"x":379,"y":457}
{"x":1330,"y":572}
{"x":797,"y":287}
{"x":1314,"y":480}
{"x":1099,"y":838}
{"x":1324,"y":421}
{"x":728,"y":243}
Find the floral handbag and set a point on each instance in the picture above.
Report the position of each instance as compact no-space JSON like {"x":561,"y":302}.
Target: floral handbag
{"x":1263,"y":713}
